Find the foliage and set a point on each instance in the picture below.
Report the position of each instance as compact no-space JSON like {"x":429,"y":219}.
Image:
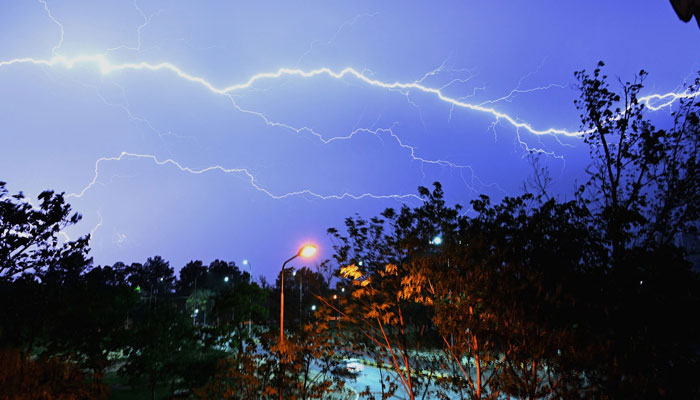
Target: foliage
{"x":85,"y":320}
{"x":644,"y":189}
{"x":160,"y":346}
{"x":22,"y":378}
{"x":644,"y":181}
{"x":386,"y":324}
{"x":307,"y":367}
{"x":537,"y":298}
{"x":29,"y":235}
{"x":245,"y":374}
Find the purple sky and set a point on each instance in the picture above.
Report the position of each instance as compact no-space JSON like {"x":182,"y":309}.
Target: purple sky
{"x":159,"y":121}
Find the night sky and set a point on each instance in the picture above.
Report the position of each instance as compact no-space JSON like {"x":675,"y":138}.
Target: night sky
{"x":203,"y":130}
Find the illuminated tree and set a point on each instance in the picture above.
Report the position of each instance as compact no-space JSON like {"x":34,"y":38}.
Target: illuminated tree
{"x":260,"y":370}
{"x":377,"y":256}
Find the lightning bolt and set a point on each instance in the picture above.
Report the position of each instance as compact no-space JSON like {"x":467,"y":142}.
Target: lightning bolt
{"x":333,"y":38}
{"x":107,"y":67}
{"x":132,"y":116}
{"x":239,"y":171}
{"x":146,"y":21}
{"x":517,"y":90}
{"x":654,"y":102}
{"x":58,"y":45}
{"x":98,"y":225}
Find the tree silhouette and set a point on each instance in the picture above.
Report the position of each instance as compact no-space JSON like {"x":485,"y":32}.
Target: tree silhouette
{"x":29,"y":235}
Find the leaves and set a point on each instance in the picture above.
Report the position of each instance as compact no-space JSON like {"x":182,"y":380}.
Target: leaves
{"x":29,"y":234}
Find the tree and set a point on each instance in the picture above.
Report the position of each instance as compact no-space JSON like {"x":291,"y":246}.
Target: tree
{"x":191,"y":274}
{"x":29,"y":235}
{"x":644,"y":191}
{"x":85,"y":317}
{"x":686,"y":9}
{"x":235,"y":308}
{"x":23,"y":378}
{"x":496,"y":295}
{"x":307,"y":368}
{"x":376,"y":258}
{"x":159,"y":343}
{"x":644,"y":182}
{"x":154,"y":278}
{"x":249,"y":374}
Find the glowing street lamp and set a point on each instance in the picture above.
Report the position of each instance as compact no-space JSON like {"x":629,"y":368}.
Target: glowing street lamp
{"x":437,"y":240}
{"x":306,"y":251}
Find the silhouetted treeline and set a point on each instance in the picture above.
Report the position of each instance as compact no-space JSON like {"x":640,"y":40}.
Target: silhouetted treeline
{"x":65,"y":322}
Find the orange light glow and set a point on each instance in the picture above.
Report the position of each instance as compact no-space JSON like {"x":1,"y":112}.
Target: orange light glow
{"x":307,"y":251}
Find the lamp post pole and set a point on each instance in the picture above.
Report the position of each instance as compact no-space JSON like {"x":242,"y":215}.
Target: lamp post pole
{"x":306,"y":251}
{"x":250,"y":268}
{"x":282,"y":314}
{"x":282,"y":300}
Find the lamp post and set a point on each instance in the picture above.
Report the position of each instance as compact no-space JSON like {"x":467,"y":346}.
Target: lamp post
{"x":306,"y":251}
{"x":250,"y":268}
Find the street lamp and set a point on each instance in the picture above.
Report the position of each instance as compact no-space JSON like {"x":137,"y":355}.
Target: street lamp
{"x":250,"y":268}
{"x":306,"y":251}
